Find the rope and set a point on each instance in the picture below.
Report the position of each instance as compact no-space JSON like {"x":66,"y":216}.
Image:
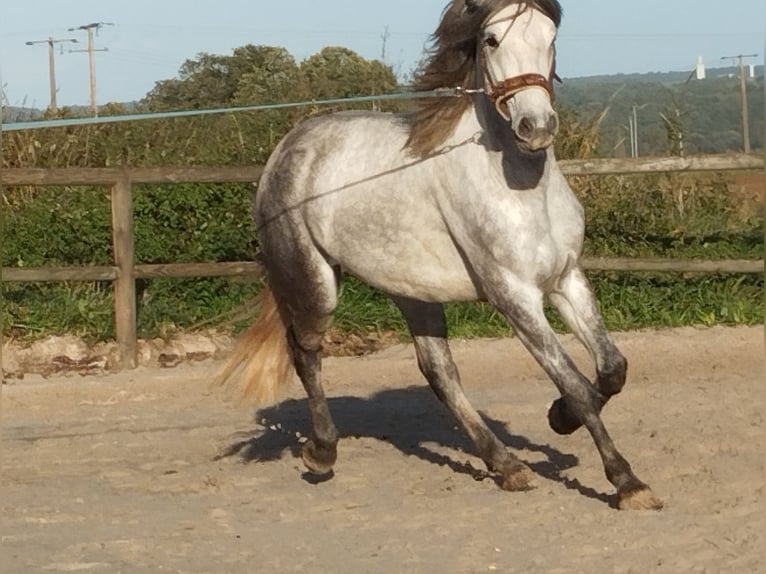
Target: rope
{"x":42,"y":124}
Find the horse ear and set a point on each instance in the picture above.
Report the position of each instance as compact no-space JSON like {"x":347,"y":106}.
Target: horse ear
{"x":472,"y":6}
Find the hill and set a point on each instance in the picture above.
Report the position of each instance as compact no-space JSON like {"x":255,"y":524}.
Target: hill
{"x":706,"y":113}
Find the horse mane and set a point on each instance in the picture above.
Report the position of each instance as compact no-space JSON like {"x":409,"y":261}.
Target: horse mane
{"x":451,"y":63}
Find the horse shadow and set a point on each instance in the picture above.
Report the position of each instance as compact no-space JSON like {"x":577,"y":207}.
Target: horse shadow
{"x":409,"y":419}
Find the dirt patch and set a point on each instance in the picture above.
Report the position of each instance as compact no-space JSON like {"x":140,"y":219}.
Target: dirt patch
{"x":338,"y":344}
{"x":150,"y":471}
{"x":56,"y":355}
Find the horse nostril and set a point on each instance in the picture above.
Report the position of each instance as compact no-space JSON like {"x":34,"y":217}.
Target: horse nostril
{"x":525,"y":129}
{"x":553,"y":124}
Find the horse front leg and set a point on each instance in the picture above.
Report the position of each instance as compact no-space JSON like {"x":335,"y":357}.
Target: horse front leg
{"x":522,"y":304}
{"x":428,"y":326}
{"x":577,"y":305}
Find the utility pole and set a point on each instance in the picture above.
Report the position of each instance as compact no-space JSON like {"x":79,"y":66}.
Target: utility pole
{"x":51,"y":64}
{"x":89,"y":28}
{"x":635,"y":131}
{"x":743,"y":95}
{"x":384,"y":51}
{"x":633,"y":120}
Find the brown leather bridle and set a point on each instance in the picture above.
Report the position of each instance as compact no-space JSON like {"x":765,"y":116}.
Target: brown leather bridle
{"x":499,"y":92}
{"x":503,"y":91}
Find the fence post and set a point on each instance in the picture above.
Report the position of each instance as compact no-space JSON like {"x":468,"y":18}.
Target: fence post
{"x":125,"y":284}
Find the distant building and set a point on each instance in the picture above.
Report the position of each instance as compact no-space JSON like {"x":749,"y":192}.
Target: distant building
{"x":752,"y":70}
{"x":701,"y":73}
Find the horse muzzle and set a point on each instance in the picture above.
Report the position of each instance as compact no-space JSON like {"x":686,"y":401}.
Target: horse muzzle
{"x":526,"y":102}
{"x":537,"y":132}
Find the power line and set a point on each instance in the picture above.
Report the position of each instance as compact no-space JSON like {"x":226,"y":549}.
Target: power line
{"x":89,"y":28}
{"x":51,"y":42}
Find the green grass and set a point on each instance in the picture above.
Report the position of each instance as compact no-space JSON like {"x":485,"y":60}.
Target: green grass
{"x":363,"y":309}
{"x":628,"y":301}
{"x":665,"y":300}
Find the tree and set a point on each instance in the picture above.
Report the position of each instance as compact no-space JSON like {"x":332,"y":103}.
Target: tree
{"x":341,"y":73}
{"x":675,"y":130}
{"x":201,"y":83}
{"x":273,"y":78}
{"x":212,"y":80}
{"x":255,"y":75}
{"x":266,"y":74}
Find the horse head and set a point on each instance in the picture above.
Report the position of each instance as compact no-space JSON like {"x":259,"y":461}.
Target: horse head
{"x":516,"y":58}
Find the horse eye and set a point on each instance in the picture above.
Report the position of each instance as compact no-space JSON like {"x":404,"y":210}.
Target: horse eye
{"x":491,"y":41}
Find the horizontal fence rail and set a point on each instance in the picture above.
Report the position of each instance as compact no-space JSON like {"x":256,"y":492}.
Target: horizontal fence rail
{"x":108,"y":273}
{"x":136,"y":175}
{"x":125,"y":271}
{"x":699,"y":164}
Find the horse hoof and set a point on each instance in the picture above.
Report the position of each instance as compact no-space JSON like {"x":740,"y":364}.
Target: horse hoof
{"x":640,"y":499}
{"x":560,"y":418}
{"x":519,"y":480}
{"x":318,"y":460}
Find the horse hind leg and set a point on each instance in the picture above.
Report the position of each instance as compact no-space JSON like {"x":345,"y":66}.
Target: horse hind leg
{"x":320,"y":452}
{"x":306,"y":286}
{"x":577,"y":305}
{"x":428,"y":327}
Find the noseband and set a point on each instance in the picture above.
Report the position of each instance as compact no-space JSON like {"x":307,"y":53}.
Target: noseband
{"x":500,"y":92}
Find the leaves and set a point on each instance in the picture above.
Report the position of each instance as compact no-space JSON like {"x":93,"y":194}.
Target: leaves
{"x":340,"y":73}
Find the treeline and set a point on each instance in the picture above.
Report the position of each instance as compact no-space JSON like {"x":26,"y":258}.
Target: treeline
{"x":675,"y":115}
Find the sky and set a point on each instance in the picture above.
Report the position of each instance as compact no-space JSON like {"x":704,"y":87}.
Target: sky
{"x":150,"y":39}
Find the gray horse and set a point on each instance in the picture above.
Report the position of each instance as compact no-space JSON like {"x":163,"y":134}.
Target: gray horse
{"x":460,"y":201}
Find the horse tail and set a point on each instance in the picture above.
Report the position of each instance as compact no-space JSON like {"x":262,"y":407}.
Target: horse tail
{"x":261,"y":362}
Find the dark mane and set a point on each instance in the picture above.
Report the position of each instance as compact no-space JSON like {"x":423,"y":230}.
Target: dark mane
{"x":450,"y":64}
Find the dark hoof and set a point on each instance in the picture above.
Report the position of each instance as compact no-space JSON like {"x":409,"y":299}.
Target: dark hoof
{"x":319,"y":460}
{"x":317,"y":479}
{"x":561,"y":420}
{"x":519,"y":480}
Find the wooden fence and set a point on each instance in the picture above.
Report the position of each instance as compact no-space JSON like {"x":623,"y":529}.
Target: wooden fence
{"x":125,"y":270}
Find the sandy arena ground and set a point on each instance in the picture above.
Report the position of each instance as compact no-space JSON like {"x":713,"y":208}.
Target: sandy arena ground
{"x":151,"y":471}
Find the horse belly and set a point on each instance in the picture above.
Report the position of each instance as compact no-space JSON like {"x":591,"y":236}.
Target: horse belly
{"x":417,"y":276}
{"x":396,"y":242}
